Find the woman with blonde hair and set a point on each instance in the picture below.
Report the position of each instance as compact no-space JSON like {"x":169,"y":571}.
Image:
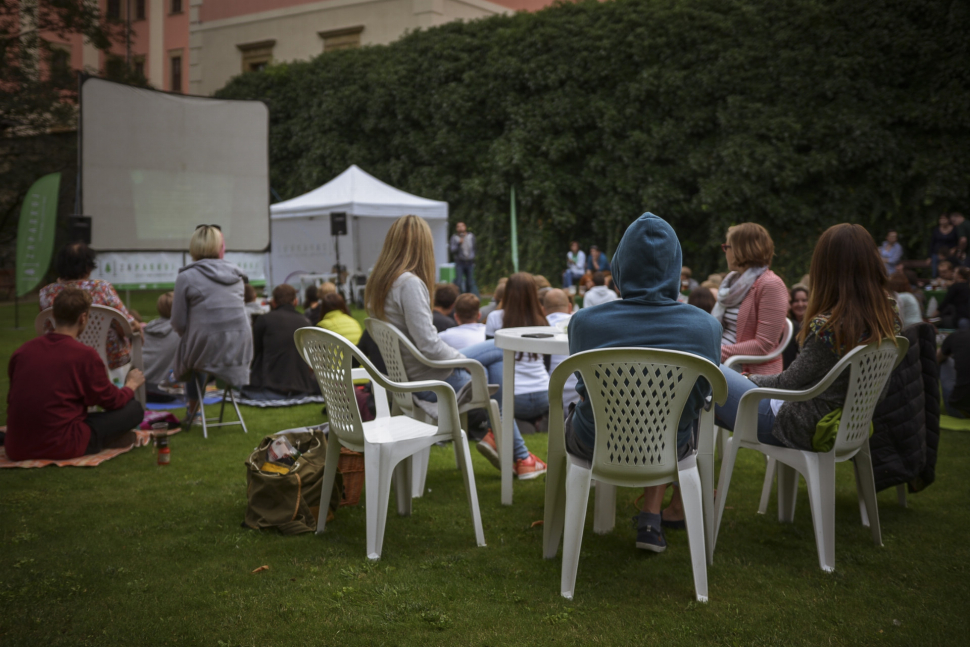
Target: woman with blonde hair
{"x":399,"y":292}
{"x":849,"y":306}
{"x":209,"y":313}
{"x":752,"y":300}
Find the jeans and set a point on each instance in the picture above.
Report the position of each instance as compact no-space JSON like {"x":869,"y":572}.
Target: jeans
{"x":490,"y":357}
{"x":529,"y":406}
{"x":726,"y":415}
{"x":106,"y":426}
{"x":191,"y":388}
{"x":568,"y":277}
{"x":465,"y":277}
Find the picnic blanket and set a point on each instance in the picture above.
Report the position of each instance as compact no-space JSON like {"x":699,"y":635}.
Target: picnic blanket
{"x":281,"y":401}
{"x":179,"y":403}
{"x":142,"y":438}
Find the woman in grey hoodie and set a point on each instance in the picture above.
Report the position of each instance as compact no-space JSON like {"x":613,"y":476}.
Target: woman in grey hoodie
{"x":209,"y":314}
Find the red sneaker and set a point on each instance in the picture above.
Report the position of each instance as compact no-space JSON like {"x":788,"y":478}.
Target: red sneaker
{"x":487,"y":448}
{"x":529,"y":468}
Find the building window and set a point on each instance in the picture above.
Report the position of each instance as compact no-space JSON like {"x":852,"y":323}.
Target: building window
{"x":256,"y":56}
{"x":138,"y":67}
{"x":176,"y":6}
{"x":60,"y":62}
{"x":114,"y":67}
{"x":113,"y":10}
{"x":347,"y":38}
{"x":139,"y":9}
{"x":175,"y":68}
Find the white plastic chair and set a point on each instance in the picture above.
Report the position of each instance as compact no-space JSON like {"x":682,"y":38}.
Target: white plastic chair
{"x":869,"y":369}
{"x":638,"y":395}
{"x":388,"y":443}
{"x":95,"y":335}
{"x":478,"y":395}
{"x":735,"y":363}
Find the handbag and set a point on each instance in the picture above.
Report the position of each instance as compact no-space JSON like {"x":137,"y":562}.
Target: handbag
{"x":289,"y":501}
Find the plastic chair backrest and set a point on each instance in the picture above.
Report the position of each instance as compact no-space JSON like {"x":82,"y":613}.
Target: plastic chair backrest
{"x":95,"y":334}
{"x":388,"y":339}
{"x":870,"y":369}
{"x":638,"y":396}
{"x":330,"y":356}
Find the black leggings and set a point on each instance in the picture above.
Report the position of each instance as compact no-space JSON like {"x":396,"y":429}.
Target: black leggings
{"x":107,"y":426}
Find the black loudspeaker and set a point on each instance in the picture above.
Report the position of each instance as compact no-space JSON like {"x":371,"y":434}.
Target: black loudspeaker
{"x":338,"y":223}
{"x":80,"y":229}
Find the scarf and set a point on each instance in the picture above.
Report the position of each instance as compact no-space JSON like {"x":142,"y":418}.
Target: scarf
{"x":733,"y":290}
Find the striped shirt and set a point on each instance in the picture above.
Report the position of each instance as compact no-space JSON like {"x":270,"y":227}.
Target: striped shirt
{"x":730,"y":325}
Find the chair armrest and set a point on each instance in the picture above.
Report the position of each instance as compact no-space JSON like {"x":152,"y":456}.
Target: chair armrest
{"x":380,"y":394}
{"x":734,"y":360}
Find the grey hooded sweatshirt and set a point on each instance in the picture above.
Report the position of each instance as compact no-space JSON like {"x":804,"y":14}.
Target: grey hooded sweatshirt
{"x":161,"y":346}
{"x":210,"y":315}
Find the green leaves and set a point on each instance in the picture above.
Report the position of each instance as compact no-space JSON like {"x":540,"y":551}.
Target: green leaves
{"x":797,"y":114}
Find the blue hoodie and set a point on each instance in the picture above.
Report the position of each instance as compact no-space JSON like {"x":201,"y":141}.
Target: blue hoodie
{"x":646,"y":269}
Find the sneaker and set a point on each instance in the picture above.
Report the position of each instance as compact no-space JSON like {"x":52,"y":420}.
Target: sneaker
{"x":487,"y":448}
{"x":529,"y":468}
{"x":649,"y":536}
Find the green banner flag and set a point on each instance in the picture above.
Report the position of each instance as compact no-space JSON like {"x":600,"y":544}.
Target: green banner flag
{"x":515,"y":237}
{"x":35,"y":233}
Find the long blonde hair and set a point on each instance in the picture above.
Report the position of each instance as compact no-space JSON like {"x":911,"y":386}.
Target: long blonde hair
{"x":408,"y":247}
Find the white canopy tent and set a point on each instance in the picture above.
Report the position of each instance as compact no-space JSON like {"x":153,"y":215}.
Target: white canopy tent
{"x":300,"y":228}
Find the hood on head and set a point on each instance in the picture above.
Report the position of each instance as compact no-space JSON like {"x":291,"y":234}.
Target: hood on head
{"x":218,"y":270}
{"x":647,"y":262}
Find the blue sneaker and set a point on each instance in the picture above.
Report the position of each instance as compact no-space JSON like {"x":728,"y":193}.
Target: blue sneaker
{"x":650,"y":534}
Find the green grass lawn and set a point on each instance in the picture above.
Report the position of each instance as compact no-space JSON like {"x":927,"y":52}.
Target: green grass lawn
{"x":131,"y":553}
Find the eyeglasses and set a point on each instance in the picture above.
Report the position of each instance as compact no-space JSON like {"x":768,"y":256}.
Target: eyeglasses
{"x":215,"y":226}
{"x":725,"y":247}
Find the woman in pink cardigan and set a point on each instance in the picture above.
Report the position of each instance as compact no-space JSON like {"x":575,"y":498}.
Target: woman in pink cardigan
{"x":752,"y":300}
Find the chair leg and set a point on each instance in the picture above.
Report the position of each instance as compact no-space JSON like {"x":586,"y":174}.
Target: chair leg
{"x":820,"y":478}
{"x":329,"y":477}
{"x":865,"y":480}
{"x":705,"y":467}
{"x":419,"y":472}
{"x":555,"y":504}
{"x":222,"y":405}
{"x":201,"y":393}
{"x":766,"y":488}
{"x":723,"y":484}
{"x":604,"y":508}
{"x":787,"y":492}
{"x":577,"y":498}
{"x":235,"y":406}
{"x":403,"y":480}
{"x":471,"y":491}
{"x":901,"y":494}
{"x":690,"y":493}
{"x":863,"y":513}
{"x":377,"y":490}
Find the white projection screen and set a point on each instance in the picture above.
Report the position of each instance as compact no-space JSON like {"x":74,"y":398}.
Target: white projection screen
{"x":154,"y":166}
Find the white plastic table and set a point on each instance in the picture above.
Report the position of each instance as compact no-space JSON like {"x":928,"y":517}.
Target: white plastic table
{"x":512,"y":341}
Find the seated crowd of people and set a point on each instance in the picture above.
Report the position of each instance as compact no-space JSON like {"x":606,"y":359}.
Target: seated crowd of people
{"x":643,"y":297}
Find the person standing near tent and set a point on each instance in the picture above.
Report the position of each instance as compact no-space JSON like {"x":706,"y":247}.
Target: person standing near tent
{"x":463,"y":252}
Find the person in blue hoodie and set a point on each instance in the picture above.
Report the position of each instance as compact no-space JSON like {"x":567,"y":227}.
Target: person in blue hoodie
{"x":646,"y":269}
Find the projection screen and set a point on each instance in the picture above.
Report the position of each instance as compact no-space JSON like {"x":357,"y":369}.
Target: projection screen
{"x":154,"y":166}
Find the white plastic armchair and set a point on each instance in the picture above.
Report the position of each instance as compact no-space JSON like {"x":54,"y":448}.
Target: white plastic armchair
{"x":388,"y":443}
{"x":95,"y":335}
{"x":869,"y":369}
{"x":739,"y":360}
{"x":735,"y":363}
{"x":638,"y":396}
{"x":390,"y":340}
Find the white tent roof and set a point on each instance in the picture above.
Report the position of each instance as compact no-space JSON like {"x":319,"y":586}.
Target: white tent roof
{"x":359,"y":194}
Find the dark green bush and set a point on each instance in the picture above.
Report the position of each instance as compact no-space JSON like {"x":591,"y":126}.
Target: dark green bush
{"x":797,"y":114}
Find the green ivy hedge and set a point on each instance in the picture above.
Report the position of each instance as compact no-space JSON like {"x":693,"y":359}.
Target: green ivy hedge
{"x":797,"y":114}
